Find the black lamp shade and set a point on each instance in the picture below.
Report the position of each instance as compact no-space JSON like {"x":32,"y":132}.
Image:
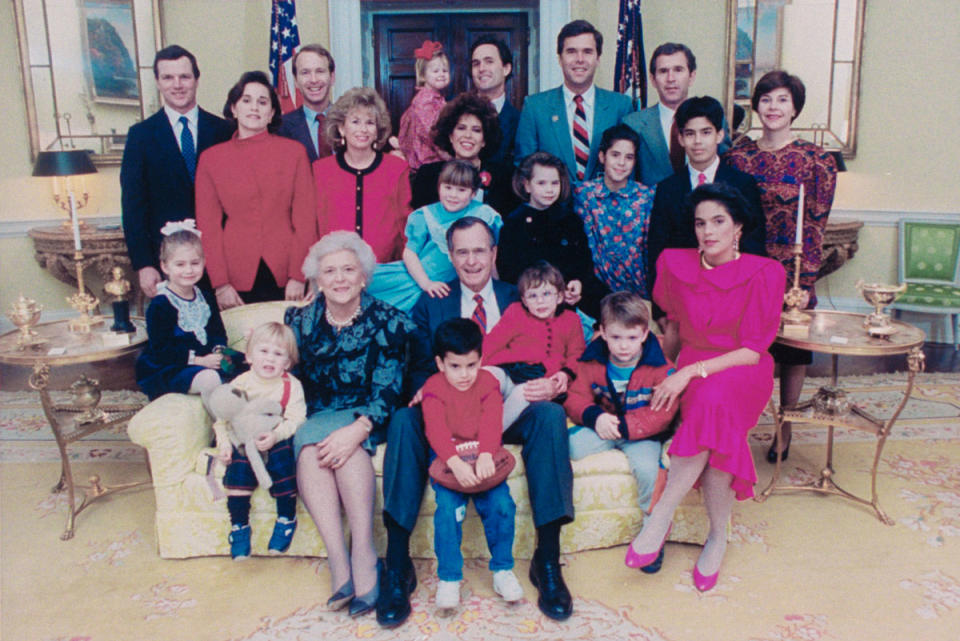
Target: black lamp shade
{"x":64,"y":163}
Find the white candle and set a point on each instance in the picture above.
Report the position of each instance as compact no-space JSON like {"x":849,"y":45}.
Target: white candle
{"x":76,"y":223}
{"x":799,"y":238}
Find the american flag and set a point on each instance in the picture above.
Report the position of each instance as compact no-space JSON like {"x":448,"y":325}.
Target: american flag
{"x":630,"y":75}
{"x":284,"y":42}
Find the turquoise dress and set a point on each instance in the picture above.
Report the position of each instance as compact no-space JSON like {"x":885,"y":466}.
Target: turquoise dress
{"x":426,"y":234}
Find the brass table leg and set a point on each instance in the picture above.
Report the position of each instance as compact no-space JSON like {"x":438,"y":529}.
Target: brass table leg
{"x":825,"y":484}
{"x":38,"y":381}
{"x":777,"y":422}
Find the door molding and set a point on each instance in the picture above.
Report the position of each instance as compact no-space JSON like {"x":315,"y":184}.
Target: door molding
{"x":347,"y":48}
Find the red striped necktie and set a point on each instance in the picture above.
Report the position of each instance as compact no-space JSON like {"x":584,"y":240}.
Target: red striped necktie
{"x":581,"y":139}
{"x":479,"y":313}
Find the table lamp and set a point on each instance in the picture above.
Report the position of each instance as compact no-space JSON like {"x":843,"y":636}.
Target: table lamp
{"x":64,"y":164}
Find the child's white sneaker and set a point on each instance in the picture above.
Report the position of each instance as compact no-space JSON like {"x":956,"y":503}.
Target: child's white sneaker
{"x":448,"y":594}
{"x":505,"y":584}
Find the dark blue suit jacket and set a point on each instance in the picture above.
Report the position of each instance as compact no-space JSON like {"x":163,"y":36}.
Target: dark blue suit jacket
{"x":154,"y":183}
{"x":429,"y":312}
{"x":509,"y":118}
{"x":653,"y":157}
{"x":671,"y":223}
{"x":294,"y":126}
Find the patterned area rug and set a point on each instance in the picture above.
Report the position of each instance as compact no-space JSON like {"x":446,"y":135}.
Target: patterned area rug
{"x":800,"y":567}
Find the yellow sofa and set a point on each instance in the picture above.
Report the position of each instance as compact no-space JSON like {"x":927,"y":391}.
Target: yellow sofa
{"x":176,"y":432}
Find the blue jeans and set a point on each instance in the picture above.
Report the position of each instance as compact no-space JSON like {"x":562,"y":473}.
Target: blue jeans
{"x":643,"y":457}
{"x":498,"y":513}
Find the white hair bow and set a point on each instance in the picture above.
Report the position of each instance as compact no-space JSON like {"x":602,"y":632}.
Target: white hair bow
{"x":188,"y":224}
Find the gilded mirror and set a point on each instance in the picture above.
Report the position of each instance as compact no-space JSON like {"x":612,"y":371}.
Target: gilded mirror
{"x":818,"y":40}
{"x":87,"y":68}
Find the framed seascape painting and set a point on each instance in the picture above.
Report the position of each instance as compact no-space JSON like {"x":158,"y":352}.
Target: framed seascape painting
{"x":109,"y":48}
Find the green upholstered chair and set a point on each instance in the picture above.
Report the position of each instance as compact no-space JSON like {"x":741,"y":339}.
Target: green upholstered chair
{"x":930,"y":265}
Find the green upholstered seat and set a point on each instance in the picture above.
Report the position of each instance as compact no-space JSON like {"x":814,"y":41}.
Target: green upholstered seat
{"x":930,"y":265}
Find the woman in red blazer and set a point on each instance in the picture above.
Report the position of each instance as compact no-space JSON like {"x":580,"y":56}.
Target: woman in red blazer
{"x":360,"y":188}
{"x":255,"y":202}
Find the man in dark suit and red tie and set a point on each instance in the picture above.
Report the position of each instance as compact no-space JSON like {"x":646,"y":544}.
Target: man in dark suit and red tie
{"x":313,"y":74}
{"x":160,"y":161}
{"x":541,"y":430}
{"x":699,"y":121}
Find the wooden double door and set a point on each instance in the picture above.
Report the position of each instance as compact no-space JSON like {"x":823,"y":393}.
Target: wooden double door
{"x":396,"y":36}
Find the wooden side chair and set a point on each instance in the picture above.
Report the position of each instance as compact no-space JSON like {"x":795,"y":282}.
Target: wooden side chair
{"x":930,"y":266}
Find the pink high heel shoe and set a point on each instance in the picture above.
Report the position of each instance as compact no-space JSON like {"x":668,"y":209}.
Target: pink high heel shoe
{"x":635,"y":561}
{"x":704,"y":583}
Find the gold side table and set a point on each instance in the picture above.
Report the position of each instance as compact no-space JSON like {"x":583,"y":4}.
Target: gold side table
{"x":56,"y":346}
{"x":843,"y":334}
{"x":103,"y":249}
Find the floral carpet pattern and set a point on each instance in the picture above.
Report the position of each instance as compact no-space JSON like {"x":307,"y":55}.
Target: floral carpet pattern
{"x":799,"y":567}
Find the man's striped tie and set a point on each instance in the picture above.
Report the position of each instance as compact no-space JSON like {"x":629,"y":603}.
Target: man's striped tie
{"x":581,"y":139}
{"x":480,"y":314}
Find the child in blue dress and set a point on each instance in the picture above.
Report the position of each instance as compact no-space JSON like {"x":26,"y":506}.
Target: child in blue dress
{"x":184,"y":330}
{"x":426,"y":265}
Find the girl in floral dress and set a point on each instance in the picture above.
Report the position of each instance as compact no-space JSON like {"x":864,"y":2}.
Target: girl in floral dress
{"x":615,"y":210}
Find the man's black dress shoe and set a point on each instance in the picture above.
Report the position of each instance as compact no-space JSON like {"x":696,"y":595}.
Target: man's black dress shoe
{"x":555,"y":600}
{"x":393,"y":603}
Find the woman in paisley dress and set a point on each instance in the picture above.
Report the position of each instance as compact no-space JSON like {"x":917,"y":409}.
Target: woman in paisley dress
{"x":780,"y":162}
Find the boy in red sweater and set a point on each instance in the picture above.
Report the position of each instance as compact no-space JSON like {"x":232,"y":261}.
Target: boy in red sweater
{"x":610,"y":398}
{"x":462,"y":403}
{"x":536,"y":341}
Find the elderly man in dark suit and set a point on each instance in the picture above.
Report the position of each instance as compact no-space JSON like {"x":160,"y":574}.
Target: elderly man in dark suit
{"x":160,"y":161}
{"x":699,"y":121}
{"x":541,"y":430}
{"x":491,"y":64}
{"x":313,"y":73}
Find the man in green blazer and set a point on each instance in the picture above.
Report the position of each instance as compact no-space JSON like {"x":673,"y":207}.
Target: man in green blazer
{"x":550,"y":120}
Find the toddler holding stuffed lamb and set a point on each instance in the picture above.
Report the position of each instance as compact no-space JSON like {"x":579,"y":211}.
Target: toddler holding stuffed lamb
{"x":271,"y":352}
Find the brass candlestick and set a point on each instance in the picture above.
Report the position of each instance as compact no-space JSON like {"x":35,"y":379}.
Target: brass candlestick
{"x":794,"y":298}
{"x":82,"y":302}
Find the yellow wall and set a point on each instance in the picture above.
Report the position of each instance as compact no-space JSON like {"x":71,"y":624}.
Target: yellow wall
{"x":908,"y":104}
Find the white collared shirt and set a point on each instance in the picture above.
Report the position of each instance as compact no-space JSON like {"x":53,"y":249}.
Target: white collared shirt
{"x":498,"y":101}
{"x":666,"y":121}
{"x":588,"y":102}
{"x":467,"y":304}
{"x":174,"y":117}
{"x":710,"y":172}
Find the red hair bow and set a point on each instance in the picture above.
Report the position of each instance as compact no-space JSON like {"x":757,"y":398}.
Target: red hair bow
{"x":428,"y":50}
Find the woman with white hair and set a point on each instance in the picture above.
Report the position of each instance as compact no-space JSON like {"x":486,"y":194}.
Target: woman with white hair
{"x":352,"y":362}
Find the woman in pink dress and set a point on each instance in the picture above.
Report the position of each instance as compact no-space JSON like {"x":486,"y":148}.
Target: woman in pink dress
{"x":723,"y":310}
